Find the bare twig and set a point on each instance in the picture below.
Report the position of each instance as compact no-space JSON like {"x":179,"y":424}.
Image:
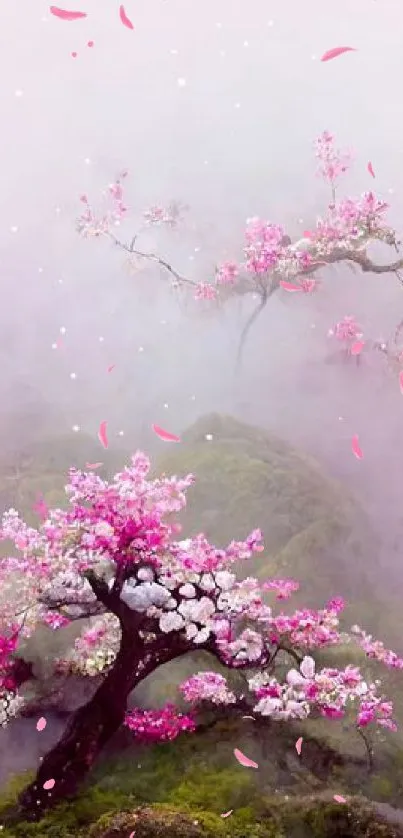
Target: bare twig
{"x":152,"y":257}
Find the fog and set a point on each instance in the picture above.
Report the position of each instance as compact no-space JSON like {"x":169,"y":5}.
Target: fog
{"x":235,"y":140}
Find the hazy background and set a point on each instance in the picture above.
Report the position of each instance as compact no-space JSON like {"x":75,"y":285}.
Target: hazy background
{"x":234,"y":141}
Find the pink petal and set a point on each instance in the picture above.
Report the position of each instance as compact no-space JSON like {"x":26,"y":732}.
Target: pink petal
{"x":288,"y":286}
{"x":90,"y":44}
{"x":370,"y":169}
{"x":165,"y":435}
{"x":298,"y":745}
{"x":339,"y":798}
{"x":93,"y":465}
{"x":49,"y":784}
{"x":244,"y":760}
{"x":333,"y":53}
{"x":111,"y":367}
{"x":102,"y":434}
{"x":41,"y":724}
{"x":41,"y":508}
{"x":65,"y":15}
{"x":227,"y":814}
{"x":125,"y":20}
{"x":401,"y":381}
{"x":357,"y":347}
{"x":355,"y":447}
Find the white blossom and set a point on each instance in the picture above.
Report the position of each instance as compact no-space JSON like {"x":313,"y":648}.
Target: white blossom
{"x":171,"y":621}
{"x":225,"y":580}
{"x":207,"y":582}
{"x":202,"y":636}
{"x":307,"y":667}
{"x":145,"y":574}
{"x":187,"y":590}
{"x":191,"y":631}
{"x":199,"y":611}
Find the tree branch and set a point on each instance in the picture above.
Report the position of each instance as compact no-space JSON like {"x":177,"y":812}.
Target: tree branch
{"x":109,"y":599}
{"x":152,"y":257}
{"x":360,"y":258}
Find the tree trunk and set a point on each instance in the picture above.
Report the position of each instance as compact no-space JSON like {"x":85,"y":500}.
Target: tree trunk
{"x":88,"y":730}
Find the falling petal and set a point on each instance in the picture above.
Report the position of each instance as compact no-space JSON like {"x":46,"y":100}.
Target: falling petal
{"x":370,"y":169}
{"x":249,"y":717}
{"x":333,"y":53}
{"x":298,"y":745}
{"x":49,"y":784}
{"x":165,"y":435}
{"x":90,"y":44}
{"x":41,"y":724}
{"x":357,"y":347}
{"x":41,"y":508}
{"x":401,"y":381}
{"x":65,"y":15}
{"x":227,"y":814}
{"x":125,"y":20}
{"x":339,"y":798}
{"x":288,"y":286}
{"x":355,"y":447}
{"x":244,"y":760}
{"x":102,"y":434}
{"x":111,"y":367}
{"x":93,"y":466}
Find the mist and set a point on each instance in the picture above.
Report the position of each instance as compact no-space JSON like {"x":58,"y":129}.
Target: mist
{"x":216,"y":105}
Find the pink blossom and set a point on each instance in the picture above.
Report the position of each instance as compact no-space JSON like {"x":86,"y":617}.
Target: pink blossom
{"x":159,"y":725}
{"x":283,"y":587}
{"x":332,"y":162}
{"x":205,"y":291}
{"x":207,"y":686}
{"x":227,"y":273}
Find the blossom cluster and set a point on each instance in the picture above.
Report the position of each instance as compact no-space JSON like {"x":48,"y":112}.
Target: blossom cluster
{"x":283,"y":587}
{"x":8,"y":645}
{"x":207,"y":686}
{"x":159,"y":725}
{"x":308,"y":628}
{"x":157,"y":215}
{"x":331,"y":692}
{"x":347,"y":226}
{"x":346,"y":330}
{"x":375,"y":649}
{"x":90,"y":224}
{"x":331,"y":161}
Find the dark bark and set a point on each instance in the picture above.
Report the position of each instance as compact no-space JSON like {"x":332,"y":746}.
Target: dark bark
{"x":21,"y":671}
{"x":93,"y":725}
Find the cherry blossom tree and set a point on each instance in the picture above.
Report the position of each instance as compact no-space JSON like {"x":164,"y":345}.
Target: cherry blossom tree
{"x":271,"y":261}
{"x":115,"y":558}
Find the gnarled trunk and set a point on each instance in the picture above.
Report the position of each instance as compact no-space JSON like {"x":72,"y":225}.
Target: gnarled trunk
{"x":89,"y":729}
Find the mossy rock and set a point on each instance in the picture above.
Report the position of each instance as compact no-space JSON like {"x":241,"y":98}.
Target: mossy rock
{"x":320,"y":816}
{"x":154,"y":823}
{"x":310,"y":817}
